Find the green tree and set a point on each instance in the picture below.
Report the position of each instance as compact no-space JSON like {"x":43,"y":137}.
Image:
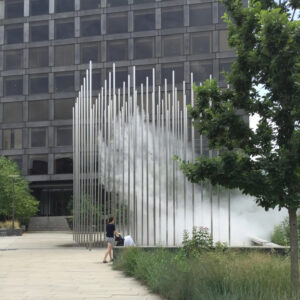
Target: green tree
{"x":25,"y":204}
{"x":264,"y":162}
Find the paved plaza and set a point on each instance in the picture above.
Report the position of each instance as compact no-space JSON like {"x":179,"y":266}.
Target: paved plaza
{"x":49,"y":266}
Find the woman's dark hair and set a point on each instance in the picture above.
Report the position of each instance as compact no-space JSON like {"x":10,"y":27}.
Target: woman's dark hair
{"x":110,"y":219}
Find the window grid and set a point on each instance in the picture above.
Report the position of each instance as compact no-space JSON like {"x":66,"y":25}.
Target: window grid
{"x":96,"y":48}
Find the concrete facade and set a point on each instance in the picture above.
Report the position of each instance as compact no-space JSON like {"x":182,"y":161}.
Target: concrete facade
{"x":44,"y":49}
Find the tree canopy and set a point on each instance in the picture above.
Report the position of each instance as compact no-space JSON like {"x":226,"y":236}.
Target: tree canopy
{"x":265,"y":162}
{"x":25,"y":204}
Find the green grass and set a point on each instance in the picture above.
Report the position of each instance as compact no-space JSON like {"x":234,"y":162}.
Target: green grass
{"x":211,"y":275}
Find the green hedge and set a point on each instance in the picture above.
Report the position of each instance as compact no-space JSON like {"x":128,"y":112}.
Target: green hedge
{"x":210,"y":275}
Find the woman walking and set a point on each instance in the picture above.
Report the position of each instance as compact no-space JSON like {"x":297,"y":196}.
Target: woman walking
{"x":110,"y":233}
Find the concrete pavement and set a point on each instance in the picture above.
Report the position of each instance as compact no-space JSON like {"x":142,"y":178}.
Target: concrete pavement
{"x":47,"y":266}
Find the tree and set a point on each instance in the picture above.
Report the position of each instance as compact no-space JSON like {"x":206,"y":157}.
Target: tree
{"x":25,"y":204}
{"x":265,"y":162}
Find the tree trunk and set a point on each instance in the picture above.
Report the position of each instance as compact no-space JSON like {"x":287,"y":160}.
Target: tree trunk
{"x":294,"y":247}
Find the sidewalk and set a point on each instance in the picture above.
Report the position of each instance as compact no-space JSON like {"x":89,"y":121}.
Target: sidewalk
{"x":46,"y":266}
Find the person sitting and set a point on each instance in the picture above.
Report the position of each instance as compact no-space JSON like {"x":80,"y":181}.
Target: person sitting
{"x":128,"y":241}
{"x":120,"y":240}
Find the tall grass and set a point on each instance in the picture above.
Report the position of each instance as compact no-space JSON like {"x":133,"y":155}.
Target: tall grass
{"x":8,"y":224}
{"x":211,"y":275}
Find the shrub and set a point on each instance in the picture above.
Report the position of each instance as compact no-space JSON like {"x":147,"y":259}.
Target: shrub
{"x":199,"y":241}
{"x":281,"y":233}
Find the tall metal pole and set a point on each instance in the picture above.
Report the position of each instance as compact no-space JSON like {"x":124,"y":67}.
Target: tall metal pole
{"x":13,"y":204}
{"x":211,"y":193}
{"x":159,"y":120}
{"x":166,"y":163}
{"x":229,"y":218}
{"x":154,"y":161}
{"x":134,"y":155}
{"x":108,"y":147}
{"x":193,"y":151}
{"x":172,"y":153}
{"x":184,"y":153}
{"x":129,"y":153}
{"x":142,"y":157}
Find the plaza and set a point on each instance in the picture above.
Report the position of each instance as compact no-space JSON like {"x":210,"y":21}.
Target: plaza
{"x":50,"y":266}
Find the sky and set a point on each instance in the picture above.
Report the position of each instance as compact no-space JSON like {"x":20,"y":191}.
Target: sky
{"x":255,"y":118}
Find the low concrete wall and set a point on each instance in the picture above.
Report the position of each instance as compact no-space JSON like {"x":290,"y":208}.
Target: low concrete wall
{"x":263,"y":249}
{"x":10,"y":232}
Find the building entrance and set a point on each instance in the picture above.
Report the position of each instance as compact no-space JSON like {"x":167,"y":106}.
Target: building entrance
{"x":55,"y":200}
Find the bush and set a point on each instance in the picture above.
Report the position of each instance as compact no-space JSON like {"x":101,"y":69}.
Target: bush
{"x":281,"y":233}
{"x":199,"y":241}
{"x":211,"y":275}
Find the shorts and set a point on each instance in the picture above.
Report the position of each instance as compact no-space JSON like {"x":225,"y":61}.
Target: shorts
{"x":110,"y":240}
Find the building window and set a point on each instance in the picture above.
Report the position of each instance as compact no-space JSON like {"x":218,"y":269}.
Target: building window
{"x":64,"y":82}
{"x":39,"y":7}
{"x":225,"y":66}
{"x":172,"y":17}
{"x":96,"y":79}
{"x":14,"y":34}
{"x":90,"y":26}
{"x":63,"y":136}
{"x":38,"y":57}
{"x":167,"y":72}
{"x":144,"y":48}
{"x":64,"y":29}
{"x":12,"y":139}
{"x":63,"y":109}
{"x":63,"y":164}
{"x":117,"y":50}
{"x":200,"y":43}
{"x":13,"y":86}
{"x":64,"y":55}
{"x":39,"y":32}
{"x":90,"y":51}
{"x":111,"y":3}
{"x":117,"y":23}
{"x":90,"y":4}
{"x":64,"y":5}
{"x":12,"y":112}
{"x":38,"y":84}
{"x":38,"y":164}
{"x":38,"y":137}
{"x":14,"y":9}
{"x":142,"y":73}
{"x":172,"y":45}
{"x":201,"y":70}
{"x":13,"y":59}
{"x":144,"y":20}
{"x":121,"y":76}
{"x":38,"y":110}
{"x":223,"y":41}
{"x":200,"y":15}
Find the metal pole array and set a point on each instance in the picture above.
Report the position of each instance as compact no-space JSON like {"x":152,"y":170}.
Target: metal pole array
{"x":124,"y":142}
